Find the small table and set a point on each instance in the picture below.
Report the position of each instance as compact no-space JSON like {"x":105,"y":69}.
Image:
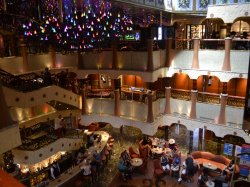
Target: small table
{"x":136,"y":162}
{"x":209,"y":166}
{"x":157,"y":150}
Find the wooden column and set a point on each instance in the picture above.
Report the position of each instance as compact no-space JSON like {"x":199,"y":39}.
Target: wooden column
{"x":150,"y":65}
{"x":167,"y":96}
{"x":193,"y":104}
{"x":195,"y":62}
{"x":168,"y":48}
{"x":84,"y":100}
{"x":117,"y":109}
{"x":150,"y":117}
{"x":24,"y":55}
{"x":222,"y":115}
{"x":60,"y":7}
{"x":5,"y":117}
{"x":226,"y":63}
{"x":53,"y":56}
{"x":115,"y":55}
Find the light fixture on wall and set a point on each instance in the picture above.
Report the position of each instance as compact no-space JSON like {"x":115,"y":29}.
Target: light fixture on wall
{"x":210,"y":78}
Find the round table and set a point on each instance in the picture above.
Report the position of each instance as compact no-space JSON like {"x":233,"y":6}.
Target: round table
{"x":210,"y":183}
{"x":157,"y":150}
{"x":136,"y":162}
{"x":209,"y":166}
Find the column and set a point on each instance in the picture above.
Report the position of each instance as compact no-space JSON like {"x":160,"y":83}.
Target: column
{"x":168,"y":48}
{"x":115,"y":55}
{"x":194,"y":93}
{"x":5,"y":118}
{"x":222,"y":115}
{"x":167,"y":95}
{"x":79,"y":60}
{"x":24,"y":54}
{"x":200,"y":143}
{"x":166,"y":132}
{"x":193,"y":104}
{"x":84,"y":100}
{"x":196,"y":45}
{"x":60,"y":7}
{"x":53,"y":56}
{"x":191,"y":136}
{"x":226,"y":63}
{"x":4,"y":5}
{"x":150,"y":117}
{"x":117,"y":109}
{"x":150,"y":66}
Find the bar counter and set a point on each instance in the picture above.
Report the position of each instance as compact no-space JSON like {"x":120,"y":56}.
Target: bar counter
{"x":73,"y":172}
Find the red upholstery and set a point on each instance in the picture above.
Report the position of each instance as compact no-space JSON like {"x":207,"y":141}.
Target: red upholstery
{"x":158,"y":171}
{"x":132,"y":153}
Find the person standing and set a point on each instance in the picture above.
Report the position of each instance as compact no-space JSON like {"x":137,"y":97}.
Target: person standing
{"x":55,"y":170}
{"x":47,"y":79}
{"x":190,"y":167}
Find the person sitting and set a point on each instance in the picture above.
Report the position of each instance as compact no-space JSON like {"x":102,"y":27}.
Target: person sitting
{"x":202,"y":179}
{"x":124,"y":167}
{"x":175,"y":167}
{"x":182,"y":173}
{"x":165,"y":162}
{"x":230,"y":167}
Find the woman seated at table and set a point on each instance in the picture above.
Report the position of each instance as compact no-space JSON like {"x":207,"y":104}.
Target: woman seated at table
{"x":165,"y":162}
{"x":175,"y":167}
{"x":230,"y":167}
{"x":124,"y":166}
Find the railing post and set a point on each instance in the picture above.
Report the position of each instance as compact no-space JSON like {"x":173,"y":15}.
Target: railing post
{"x":222,"y":115}
{"x":24,"y":54}
{"x":226,"y":63}
{"x":195,"y":62}
{"x":167,"y":96}
{"x":115,"y":55}
{"x":168,"y":48}
{"x":117,"y":103}
{"x":150,"y":54}
{"x":150,"y":117}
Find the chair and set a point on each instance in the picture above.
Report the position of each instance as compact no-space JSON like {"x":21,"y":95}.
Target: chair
{"x":132,"y":153}
{"x":158,"y":171}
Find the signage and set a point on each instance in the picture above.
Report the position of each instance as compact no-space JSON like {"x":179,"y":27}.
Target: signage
{"x":228,"y":149}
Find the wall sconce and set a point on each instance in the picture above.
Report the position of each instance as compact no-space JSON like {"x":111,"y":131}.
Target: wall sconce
{"x":210,"y":78}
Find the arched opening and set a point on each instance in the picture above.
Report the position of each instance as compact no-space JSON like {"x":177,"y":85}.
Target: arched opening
{"x":210,"y":84}
{"x":181,"y":81}
{"x":237,"y":87}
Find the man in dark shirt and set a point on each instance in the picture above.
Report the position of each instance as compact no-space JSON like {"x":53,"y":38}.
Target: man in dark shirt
{"x":190,"y":166}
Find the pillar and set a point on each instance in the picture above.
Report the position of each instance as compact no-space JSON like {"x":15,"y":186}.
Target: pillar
{"x":117,"y":109}
{"x":60,"y":7}
{"x":150,"y":117}
{"x":24,"y":54}
{"x":115,"y":54}
{"x":5,"y":118}
{"x":53,"y":56}
{"x":166,"y":132}
{"x":168,"y":48}
{"x":167,"y":95}
{"x":222,"y":115}
{"x":190,"y":146}
{"x":196,"y":45}
{"x":150,"y":66}
{"x":79,"y":60}
{"x":226,"y":63}
{"x":200,"y":143}
{"x":193,"y":104}
{"x":84,"y":100}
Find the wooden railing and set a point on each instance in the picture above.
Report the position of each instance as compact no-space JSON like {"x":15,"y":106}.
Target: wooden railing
{"x":204,"y":97}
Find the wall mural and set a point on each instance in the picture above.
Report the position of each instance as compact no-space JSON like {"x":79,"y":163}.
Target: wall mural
{"x":202,"y":4}
{"x":183,"y":5}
